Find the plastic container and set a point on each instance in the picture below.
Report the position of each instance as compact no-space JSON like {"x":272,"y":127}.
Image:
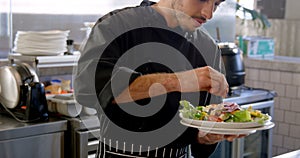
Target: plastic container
{"x":258,"y":46}
{"x":65,"y":105}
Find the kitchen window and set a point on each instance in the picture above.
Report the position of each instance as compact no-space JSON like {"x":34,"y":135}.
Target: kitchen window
{"x":247,"y":4}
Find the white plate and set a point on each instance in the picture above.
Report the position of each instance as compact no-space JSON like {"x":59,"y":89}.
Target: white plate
{"x":39,"y":52}
{"x":234,"y":125}
{"x":229,"y":131}
{"x":43,"y":33}
{"x":40,"y":42}
{"x":225,"y":131}
{"x":34,"y":49}
{"x":34,"y":40}
{"x":44,"y":49}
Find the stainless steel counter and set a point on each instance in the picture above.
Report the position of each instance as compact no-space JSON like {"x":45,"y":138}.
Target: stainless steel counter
{"x":34,"y":140}
{"x":250,"y":95}
{"x":84,"y":122}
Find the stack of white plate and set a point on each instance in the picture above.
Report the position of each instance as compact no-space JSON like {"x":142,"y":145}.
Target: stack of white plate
{"x":52,"y":42}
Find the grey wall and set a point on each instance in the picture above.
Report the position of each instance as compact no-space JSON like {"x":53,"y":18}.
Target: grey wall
{"x":292,"y":9}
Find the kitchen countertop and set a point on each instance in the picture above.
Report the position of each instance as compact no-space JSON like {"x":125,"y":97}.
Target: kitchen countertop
{"x":293,"y":154}
{"x":11,"y":129}
{"x":84,"y":122}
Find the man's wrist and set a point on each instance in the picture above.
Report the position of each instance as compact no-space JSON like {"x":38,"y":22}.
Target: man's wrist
{"x":171,"y":83}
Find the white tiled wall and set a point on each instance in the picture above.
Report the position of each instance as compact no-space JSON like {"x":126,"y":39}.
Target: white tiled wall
{"x":286,"y":133}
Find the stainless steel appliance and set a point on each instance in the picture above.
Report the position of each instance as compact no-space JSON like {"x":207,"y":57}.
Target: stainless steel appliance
{"x":21,"y":93}
{"x":259,"y":144}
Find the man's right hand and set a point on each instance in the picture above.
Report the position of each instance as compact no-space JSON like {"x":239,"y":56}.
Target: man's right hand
{"x":203,"y":79}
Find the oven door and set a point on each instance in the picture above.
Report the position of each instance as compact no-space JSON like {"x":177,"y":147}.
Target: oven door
{"x":256,"y":145}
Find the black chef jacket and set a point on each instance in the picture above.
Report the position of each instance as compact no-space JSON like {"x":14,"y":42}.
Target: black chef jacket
{"x":143,"y":34}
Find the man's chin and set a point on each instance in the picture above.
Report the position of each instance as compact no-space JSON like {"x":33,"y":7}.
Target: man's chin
{"x":189,"y":28}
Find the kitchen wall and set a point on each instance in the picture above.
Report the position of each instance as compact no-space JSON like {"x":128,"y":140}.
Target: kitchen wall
{"x":281,"y":74}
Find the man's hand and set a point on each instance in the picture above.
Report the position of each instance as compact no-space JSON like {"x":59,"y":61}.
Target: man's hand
{"x":208,"y":138}
{"x":203,"y":79}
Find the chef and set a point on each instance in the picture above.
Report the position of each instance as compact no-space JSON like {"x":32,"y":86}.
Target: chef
{"x":135,"y":67}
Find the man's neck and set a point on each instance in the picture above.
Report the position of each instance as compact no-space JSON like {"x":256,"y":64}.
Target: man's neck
{"x":167,"y":10}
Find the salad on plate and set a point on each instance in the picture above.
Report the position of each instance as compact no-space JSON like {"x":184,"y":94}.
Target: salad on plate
{"x":224,"y":112}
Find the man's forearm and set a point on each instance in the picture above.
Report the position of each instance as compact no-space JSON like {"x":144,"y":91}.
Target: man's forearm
{"x":149,"y":86}
{"x":195,"y":80}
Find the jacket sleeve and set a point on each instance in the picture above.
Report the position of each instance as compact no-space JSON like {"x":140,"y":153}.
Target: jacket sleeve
{"x":97,"y":76}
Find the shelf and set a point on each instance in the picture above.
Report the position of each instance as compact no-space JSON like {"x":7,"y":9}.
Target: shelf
{"x":45,"y":61}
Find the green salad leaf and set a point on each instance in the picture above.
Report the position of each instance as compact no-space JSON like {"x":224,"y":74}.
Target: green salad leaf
{"x":242,"y":116}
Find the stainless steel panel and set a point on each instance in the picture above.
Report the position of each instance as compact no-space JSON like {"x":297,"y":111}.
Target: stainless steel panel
{"x":44,"y":65}
{"x":86,"y":143}
{"x":83,"y":131}
{"x":237,"y":148}
{"x":12,"y":129}
{"x":40,"y":146}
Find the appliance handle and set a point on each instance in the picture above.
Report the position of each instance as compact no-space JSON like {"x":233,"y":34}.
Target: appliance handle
{"x":28,"y":99}
{"x":260,"y":105}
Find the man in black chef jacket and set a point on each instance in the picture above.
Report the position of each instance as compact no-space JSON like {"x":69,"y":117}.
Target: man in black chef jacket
{"x":135,"y":67}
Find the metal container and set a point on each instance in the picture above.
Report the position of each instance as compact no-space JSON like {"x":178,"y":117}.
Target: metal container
{"x":11,"y":82}
{"x":233,"y":61}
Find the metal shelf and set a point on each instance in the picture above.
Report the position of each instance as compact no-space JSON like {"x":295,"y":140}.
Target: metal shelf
{"x":45,"y":61}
